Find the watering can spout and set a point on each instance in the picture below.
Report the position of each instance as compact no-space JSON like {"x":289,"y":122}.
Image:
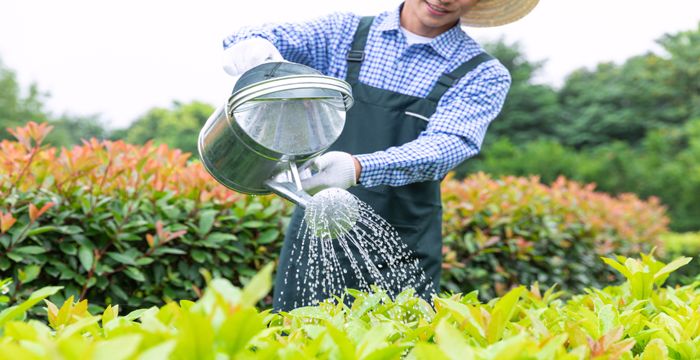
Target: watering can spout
{"x":287,"y":184}
{"x":290,"y":192}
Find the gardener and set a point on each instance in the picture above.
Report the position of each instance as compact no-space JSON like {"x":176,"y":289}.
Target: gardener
{"x":425,"y":93}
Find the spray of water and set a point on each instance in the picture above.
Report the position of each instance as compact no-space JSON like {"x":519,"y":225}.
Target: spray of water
{"x":344,"y":243}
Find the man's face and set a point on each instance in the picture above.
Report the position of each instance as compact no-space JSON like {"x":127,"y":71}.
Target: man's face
{"x":433,"y":17}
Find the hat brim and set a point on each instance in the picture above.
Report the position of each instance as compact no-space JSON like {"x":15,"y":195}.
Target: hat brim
{"x":488,"y":13}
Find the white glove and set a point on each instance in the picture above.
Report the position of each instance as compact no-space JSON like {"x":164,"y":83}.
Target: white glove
{"x":334,"y":169}
{"x":247,"y":54}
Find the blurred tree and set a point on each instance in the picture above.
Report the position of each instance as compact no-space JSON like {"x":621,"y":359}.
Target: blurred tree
{"x":177,"y":127}
{"x":531,"y":111}
{"x":624,"y":102}
{"x":682,"y":73}
{"x":16,"y":108}
{"x":71,"y":130}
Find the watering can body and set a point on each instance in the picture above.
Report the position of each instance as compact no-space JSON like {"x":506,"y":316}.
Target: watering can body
{"x":278,"y":116}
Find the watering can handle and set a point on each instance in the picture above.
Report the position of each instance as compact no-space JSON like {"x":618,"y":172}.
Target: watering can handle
{"x":295,"y":175}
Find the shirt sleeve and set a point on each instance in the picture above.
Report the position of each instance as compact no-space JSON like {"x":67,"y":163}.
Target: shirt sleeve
{"x":312,"y":43}
{"x":454,"y":133}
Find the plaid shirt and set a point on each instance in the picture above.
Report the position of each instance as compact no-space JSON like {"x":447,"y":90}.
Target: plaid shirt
{"x":455,"y":131}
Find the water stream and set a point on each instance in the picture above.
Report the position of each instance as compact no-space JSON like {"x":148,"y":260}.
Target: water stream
{"x":343,"y":244}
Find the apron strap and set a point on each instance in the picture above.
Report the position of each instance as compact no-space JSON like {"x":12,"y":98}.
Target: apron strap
{"x":357,"y":50}
{"x":448,"y":79}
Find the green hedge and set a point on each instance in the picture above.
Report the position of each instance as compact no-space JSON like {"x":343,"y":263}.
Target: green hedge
{"x":508,"y":231}
{"x":133,"y":225}
{"x":123,"y":224}
{"x":683,"y":244}
{"x":639,"y":319}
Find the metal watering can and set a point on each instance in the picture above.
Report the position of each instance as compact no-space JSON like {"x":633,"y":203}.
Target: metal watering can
{"x":279,"y":115}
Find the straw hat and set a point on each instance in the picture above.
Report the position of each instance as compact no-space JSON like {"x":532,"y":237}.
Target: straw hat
{"x":487,"y":13}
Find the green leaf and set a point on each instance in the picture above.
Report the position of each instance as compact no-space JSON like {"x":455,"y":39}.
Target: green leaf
{"x":343,"y":344}
{"x":121,"y":258}
{"x":158,"y":352}
{"x":268,"y":236}
{"x":507,"y":349}
{"x":389,"y":352}
{"x":122,"y":347}
{"x":219,"y":237}
{"x":254,"y":224}
{"x":135,"y":274}
{"x":427,"y":351}
{"x":617,"y":266}
{"x":41,"y":230}
{"x":29,"y":273}
{"x":195,"y":336}
{"x":17,"y":311}
{"x":70,"y":229}
{"x":86,"y":257}
{"x":258,"y":287}
{"x":144,"y":261}
{"x":10,"y":350}
{"x":14,"y":256}
{"x":32,"y":250}
{"x":239,"y":329}
{"x":68,"y":248}
{"x":5,"y":263}
{"x":199,"y":256}
{"x":452,"y":342}
{"x":501,"y":314}
{"x":119,"y":292}
{"x":168,"y":250}
{"x":206,"y":221}
{"x":655,"y":349}
{"x":464,"y":316}
{"x":674,"y":265}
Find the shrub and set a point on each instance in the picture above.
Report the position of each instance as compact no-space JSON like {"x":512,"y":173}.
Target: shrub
{"x":683,"y":244}
{"x":123,"y":224}
{"x":500,"y":233}
{"x":639,"y":319}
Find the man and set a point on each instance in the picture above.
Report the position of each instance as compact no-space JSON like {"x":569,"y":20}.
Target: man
{"x":425,"y":93}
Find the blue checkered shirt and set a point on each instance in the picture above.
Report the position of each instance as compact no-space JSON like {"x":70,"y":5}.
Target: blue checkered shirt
{"x":455,"y":131}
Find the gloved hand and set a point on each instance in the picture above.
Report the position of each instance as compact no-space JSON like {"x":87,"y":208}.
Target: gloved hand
{"x":247,"y":54}
{"x":333,"y":169}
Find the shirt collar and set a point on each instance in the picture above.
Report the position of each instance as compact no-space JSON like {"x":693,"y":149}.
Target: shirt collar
{"x":391,"y":21}
{"x":445,"y":44}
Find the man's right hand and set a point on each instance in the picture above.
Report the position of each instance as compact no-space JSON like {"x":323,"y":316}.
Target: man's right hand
{"x":247,"y":54}
{"x":333,"y":169}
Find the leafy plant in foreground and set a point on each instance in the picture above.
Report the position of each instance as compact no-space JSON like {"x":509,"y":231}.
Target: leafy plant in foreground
{"x":609,"y":323}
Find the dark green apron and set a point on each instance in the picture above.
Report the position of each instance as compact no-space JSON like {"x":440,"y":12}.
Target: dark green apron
{"x":380,"y":119}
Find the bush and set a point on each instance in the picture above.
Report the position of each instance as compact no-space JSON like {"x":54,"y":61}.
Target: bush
{"x":134,"y":225}
{"x":639,"y":319}
{"x":124,"y":224}
{"x":683,"y":244}
{"x":500,"y":233}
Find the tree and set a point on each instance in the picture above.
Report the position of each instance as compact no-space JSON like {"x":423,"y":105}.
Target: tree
{"x":531,"y":111}
{"x":624,"y":102}
{"x":71,"y":130}
{"x":177,"y":127}
{"x":16,"y":109}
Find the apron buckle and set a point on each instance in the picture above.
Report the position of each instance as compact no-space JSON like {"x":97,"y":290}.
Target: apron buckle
{"x":356,"y":55}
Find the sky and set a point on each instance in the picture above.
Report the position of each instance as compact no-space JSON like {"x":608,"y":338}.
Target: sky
{"x":119,"y":59}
